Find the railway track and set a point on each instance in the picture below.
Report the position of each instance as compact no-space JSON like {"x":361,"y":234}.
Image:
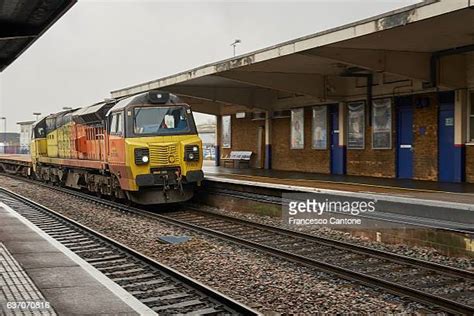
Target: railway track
{"x":442,"y":287}
{"x":270,"y":198}
{"x":450,"y":289}
{"x":161,"y":288}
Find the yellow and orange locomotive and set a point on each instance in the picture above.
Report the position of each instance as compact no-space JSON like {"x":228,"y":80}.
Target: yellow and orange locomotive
{"x":144,"y":149}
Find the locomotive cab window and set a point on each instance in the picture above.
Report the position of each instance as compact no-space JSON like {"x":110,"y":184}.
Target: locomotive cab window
{"x":119,"y":129}
{"x":116,"y":124}
{"x":160,"y":120}
{"x":39,"y":130}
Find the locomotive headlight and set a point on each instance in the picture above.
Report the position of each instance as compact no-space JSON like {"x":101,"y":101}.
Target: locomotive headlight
{"x":191,"y":153}
{"x":142,"y":156}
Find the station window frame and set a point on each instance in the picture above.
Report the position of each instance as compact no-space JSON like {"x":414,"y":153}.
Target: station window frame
{"x":374,"y":127}
{"x":226,"y":131}
{"x":297,"y":121}
{"x":323,"y":142}
{"x":363,"y":105}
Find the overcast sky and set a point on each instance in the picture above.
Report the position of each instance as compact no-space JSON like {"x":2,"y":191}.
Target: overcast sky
{"x":100,"y":46}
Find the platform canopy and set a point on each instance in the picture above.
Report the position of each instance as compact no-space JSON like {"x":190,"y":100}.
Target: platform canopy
{"x":24,"y":21}
{"x":414,"y":42}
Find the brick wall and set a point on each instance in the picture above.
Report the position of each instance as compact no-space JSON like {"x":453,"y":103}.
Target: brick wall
{"x":366,"y":162}
{"x":382,"y":163}
{"x":244,"y":137}
{"x":425,"y":140}
{"x":470,"y":164}
{"x":373,"y":162}
{"x":307,"y":159}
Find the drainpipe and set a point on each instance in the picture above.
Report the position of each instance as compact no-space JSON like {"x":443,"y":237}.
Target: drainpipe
{"x":268,"y":140}
{"x":218,"y":140}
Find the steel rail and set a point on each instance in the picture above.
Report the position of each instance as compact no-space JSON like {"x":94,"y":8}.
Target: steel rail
{"x":444,"y":304}
{"x":277,"y":200}
{"x":453,"y":271}
{"x":229,"y":305}
{"x":396,"y":288}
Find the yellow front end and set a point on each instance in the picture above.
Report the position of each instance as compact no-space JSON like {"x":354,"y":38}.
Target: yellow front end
{"x":38,"y":148}
{"x":165,"y":153}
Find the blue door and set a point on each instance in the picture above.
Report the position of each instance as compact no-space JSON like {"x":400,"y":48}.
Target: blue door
{"x":404,"y":137}
{"x":446,"y":149}
{"x":338,"y":159}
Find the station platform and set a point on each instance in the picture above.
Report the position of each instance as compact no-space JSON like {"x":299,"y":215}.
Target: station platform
{"x":417,"y":189}
{"x":39,"y":276}
{"x":448,"y":206}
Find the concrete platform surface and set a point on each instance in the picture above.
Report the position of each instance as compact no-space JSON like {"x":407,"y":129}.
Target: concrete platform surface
{"x":455,"y":192}
{"x":38,"y":271}
{"x":417,"y":189}
{"x":452,"y":203}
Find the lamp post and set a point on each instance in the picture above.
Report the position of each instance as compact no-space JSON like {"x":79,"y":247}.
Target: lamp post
{"x":4,"y":133}
{"x":234,"y":44}
{"x":37,"y":114}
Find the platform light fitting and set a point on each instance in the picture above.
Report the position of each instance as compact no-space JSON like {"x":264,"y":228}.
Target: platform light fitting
{"x":234,"y":44}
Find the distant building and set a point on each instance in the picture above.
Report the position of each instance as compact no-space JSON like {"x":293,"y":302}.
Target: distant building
{"x":25,"y":136}
{"x":207,"y":133}
{"x":9,"y":143}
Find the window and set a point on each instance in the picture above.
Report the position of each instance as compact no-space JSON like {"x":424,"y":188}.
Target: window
{"x":297,"y":129}
{"x":116,"y":124}
{"x":319,"y":127}
{"x":356,"y":125}
{"x":119,"y":129}
{"x":113,"y":123}
{"x":471,"y":116}
{"x":160,"y":120}
{"x":382,"y":124}
{"x":226,"y":131}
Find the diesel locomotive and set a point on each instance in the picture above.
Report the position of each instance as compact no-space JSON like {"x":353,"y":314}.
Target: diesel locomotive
{"x":143,"y":149}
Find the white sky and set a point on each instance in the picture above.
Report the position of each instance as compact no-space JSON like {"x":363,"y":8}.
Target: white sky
{"x":99,"y":46}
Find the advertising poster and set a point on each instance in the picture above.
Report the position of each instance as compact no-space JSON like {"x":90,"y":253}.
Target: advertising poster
{"x":356,"y":125}
{"x":382,"y":124}
{"x":226,"y":131}
{"x":297,"y":129}
{"x":319,"y":127}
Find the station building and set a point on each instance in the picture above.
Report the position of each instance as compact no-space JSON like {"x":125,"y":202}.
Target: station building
{"x":26,"y":128}
{"x":391,"y":96}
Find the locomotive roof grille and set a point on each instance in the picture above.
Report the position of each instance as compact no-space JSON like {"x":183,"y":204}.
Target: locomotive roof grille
{"x":92,"y":114}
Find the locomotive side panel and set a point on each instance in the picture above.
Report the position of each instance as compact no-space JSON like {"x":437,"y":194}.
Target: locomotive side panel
{"x":144,"y":148}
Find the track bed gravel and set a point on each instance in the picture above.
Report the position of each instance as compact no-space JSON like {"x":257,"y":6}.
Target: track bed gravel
{"x":268,"y":284}
{"x":424,"y":253}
